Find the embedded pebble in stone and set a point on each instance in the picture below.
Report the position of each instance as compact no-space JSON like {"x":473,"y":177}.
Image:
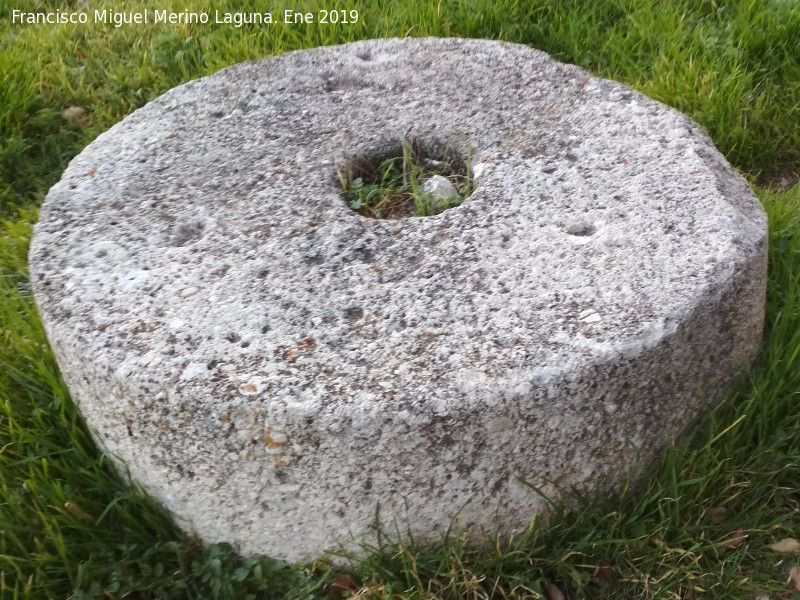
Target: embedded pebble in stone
{"x":277,"y":439}
{"x":130,"y":281}
{"x":589,"y":316}
{"x":248,"y":389}
{"x":580,"y":228}
{"x":549,"y":168}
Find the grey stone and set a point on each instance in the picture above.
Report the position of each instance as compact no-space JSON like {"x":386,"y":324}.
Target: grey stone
{"x":274,"y":367}
{"x":441,"y":192}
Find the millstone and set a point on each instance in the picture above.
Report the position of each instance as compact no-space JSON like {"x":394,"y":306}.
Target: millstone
{"x":278,"y":370}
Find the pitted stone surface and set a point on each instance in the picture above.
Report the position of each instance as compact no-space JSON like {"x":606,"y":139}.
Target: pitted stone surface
{"x":272,"y":366}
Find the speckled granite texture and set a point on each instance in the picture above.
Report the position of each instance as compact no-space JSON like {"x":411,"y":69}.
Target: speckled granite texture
{"x":273,"y":366}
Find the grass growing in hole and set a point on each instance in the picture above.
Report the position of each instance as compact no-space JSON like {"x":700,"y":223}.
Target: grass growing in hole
{"x":393,"y":188}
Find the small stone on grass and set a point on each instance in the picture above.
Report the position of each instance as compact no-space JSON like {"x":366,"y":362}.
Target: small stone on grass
{"x":76,"y":114}
{"x":441,"y":191}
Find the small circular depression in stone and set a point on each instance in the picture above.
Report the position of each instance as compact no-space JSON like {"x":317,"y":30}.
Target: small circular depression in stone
{"x":413,"y":180}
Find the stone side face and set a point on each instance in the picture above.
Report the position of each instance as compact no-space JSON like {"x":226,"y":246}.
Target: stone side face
{"x":273,"y":367}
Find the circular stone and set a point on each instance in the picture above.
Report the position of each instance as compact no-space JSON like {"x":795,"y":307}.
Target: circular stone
{"x":277,"y":370}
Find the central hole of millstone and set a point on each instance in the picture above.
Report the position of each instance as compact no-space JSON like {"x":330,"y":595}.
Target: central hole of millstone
{"x":411,"y":181}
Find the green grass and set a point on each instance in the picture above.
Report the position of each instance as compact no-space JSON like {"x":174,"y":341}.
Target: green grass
{"x":70,"y":528}
{"x":393,"y":187}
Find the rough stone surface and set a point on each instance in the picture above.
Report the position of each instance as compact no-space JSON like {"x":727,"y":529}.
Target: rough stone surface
{"x":272,"y":366}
